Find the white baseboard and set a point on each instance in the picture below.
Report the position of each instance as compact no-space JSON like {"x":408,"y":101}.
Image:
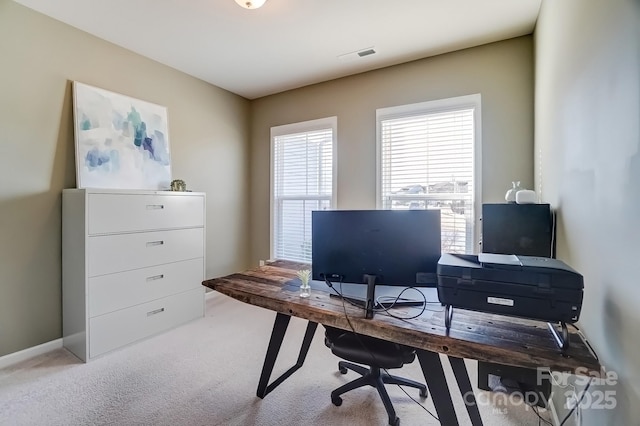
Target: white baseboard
{"x":16,"y":357}
{"x":25,"y":354}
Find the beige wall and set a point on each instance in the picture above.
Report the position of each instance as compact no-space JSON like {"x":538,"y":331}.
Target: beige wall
{"x":501,"y":72}
{"x":588,"y":166}
{"x":209,"y":138}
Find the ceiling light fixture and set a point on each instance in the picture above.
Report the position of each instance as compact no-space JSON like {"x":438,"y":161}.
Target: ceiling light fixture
{"x":251,"y":4}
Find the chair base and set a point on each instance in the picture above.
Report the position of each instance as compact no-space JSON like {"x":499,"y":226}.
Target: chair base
{"x":374,"y":377}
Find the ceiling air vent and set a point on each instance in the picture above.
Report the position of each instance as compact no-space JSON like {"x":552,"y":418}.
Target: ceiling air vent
{"x":366,"y":52}
{"x":357,"y":54}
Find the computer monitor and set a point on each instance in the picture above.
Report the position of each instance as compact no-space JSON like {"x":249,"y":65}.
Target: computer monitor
{"x":376,"y":247}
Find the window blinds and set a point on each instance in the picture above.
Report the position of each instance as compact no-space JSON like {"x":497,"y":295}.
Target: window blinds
{"x":302,"y":182}
{"x":427,"y":161}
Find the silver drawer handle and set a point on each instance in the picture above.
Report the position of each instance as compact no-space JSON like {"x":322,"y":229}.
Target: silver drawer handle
{"x":155,"y":243}
{"x":155,"y":277}
{"x":157,"y":311}
{"x":155,"y":206}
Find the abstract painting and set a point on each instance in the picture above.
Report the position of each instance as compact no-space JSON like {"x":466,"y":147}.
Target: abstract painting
{"x":121,"y":142}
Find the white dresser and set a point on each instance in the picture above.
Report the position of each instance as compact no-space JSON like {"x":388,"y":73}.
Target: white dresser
{"x":132,"y":265}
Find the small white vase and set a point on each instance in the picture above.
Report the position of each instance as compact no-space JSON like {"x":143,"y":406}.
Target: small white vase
{"x":305,"y":290}
{"x":304,"y":276}
{"x":510,"y":196}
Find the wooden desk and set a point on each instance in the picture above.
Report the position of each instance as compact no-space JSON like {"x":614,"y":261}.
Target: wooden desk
{"x":484,"y":337}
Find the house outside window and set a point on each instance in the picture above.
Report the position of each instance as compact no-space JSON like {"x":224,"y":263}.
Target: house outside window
{"x":429,"y":158}
{"x":302,"y":180}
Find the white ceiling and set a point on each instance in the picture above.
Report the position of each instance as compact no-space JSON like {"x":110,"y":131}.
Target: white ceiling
{"x":291,"y":43}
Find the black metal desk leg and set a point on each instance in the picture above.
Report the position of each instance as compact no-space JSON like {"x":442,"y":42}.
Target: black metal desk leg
{"x":277,"y":336}
{"x":468,"y":397}
{"x":306,"y":342}
{"x":437,"y":383}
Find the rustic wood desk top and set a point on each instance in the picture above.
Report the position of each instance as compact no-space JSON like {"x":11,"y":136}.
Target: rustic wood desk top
{"x":484,"y":337}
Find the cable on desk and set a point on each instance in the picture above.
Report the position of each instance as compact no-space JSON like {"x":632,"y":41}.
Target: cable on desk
{"x":380,"y":301}
{"x":353,"y":330}
{"x":379,"y":306}
{"x":339,"y":293}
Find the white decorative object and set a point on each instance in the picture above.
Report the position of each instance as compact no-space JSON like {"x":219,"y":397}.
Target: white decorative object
{"x":305,"y":288}
{"x":510,"y":196}
{"x":526,"y":196}
{"x":132,"y":266}
{"x":121,"y":142}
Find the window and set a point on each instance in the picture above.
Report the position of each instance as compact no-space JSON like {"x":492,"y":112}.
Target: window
{"x":302,"y":180}
{"x":429,"y":157}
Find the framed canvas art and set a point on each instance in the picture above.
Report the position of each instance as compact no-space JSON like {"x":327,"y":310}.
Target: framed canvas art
{"x":121,"y":142}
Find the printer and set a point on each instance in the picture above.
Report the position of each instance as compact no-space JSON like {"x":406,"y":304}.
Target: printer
{"x":531,"y":287}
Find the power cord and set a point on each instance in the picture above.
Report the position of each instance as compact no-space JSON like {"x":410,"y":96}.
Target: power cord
{"x":381,"y":301}
{"x":339,"y":293}
{"x":396,"y":300}
{"x":584,"y":392}
{"x":392,"y":301}
{"x":353,"y":330}
{"x":535,"y":410}
{"x":533,"y":407}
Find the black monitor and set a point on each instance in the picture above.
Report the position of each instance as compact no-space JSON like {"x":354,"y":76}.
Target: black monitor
{"x":376,"y":247}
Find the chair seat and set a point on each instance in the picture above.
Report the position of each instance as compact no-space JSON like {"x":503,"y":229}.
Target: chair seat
{"x":367,"y":350}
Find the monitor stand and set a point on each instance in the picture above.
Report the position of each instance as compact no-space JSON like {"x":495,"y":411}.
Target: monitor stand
{"x":370,"y":300}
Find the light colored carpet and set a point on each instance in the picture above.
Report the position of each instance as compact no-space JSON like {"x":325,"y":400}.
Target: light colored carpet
{"x":206,"y":373}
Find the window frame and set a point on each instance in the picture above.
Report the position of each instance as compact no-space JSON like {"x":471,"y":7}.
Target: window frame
{"x":473,"y":101}
{"x":293,"y":128}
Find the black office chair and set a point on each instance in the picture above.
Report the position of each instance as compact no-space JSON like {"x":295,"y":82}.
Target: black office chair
{"x":377,"y":354}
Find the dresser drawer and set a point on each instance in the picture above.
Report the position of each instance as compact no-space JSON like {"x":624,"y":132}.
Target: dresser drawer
{"x":110,"y":213}
{"x":110,"y":292}
{"x":118,"y":253}
{"x":110,"y":331}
